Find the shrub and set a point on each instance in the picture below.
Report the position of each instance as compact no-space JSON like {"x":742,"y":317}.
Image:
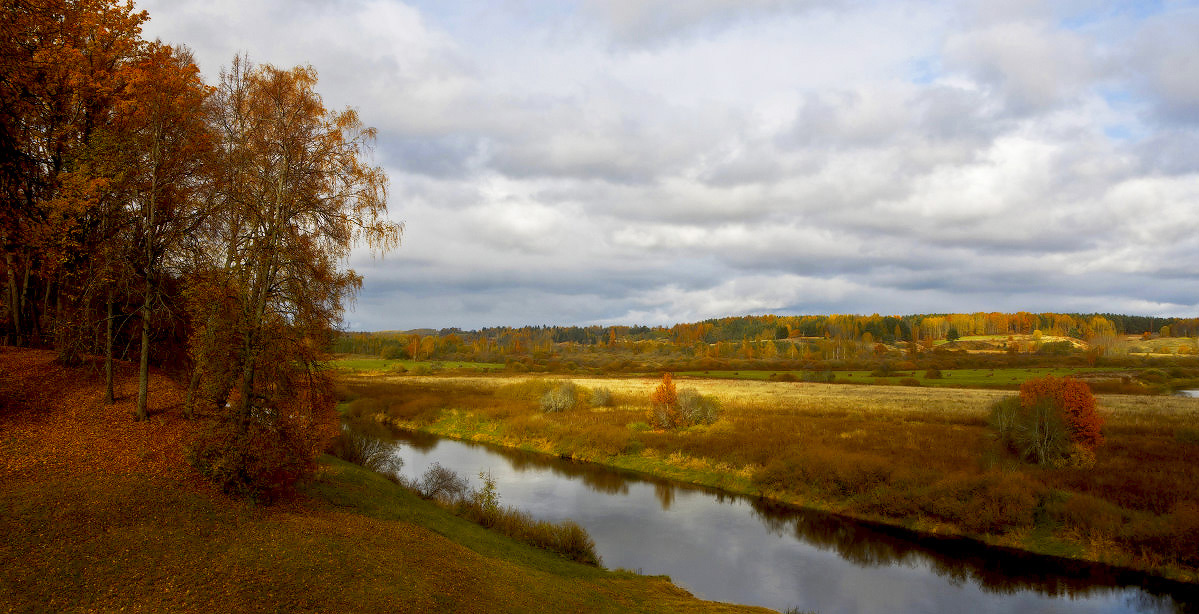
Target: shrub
{"x":884,"y":370}
{"x":1091,"y":516}
{"x":601,"y":397}
{"x":932,"y":373}
{"x":1037,"y":432}
{"x":574,"y":543}
{"x":487,"y":498}
{"x":559,"y":398}
{"x":909,"y":381}
{"x":1077,"y":456}
{"x":994,"y":502}
{"x":369,"y":452}
{"x":442,"y":484}
{"x":1156,"y":376}
{"x":482,"y":506}
{"x":250,"y":459}
{"x":697,"y":408}
{"x":1073,"y":401}
{"x":1056,"y":348}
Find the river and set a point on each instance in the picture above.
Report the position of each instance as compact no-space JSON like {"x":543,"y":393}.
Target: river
{"x":744,"y":550}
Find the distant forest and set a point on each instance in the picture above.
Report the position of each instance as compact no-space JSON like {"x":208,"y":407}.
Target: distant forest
{"x":774,"y":338}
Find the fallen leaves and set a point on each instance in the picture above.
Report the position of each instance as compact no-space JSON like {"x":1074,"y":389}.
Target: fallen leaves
{"x":53,"y":419}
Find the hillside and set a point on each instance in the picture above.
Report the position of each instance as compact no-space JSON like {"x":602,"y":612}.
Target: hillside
{"x":102,"y":513}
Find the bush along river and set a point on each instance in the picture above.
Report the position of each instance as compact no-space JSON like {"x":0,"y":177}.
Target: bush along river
{"x":738,"y":549}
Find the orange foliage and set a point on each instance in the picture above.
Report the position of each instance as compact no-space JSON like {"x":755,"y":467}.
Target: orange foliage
{"x":664,"y":404}
{"x":665,"y":393}
{"x":1076,"y":403}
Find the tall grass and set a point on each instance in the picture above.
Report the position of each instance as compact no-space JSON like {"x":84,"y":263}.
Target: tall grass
{"x":482,"y":507}
{"x":911,"y":455}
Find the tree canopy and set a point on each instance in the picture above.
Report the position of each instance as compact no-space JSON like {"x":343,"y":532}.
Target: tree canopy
{"x":207,"y":227}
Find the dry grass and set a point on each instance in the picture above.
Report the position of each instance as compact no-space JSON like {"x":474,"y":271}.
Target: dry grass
{"x":918,"y":456}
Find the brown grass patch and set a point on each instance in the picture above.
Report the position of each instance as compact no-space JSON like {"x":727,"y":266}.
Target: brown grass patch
{"x":907,"y":454}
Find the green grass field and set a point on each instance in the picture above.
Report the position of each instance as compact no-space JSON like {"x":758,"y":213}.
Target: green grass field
{"x":361,"y":364}
{"x":950,"y":378}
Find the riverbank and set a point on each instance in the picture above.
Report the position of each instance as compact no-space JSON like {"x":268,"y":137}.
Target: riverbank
{"x":102,"y":513}
{"x":922,"y":460}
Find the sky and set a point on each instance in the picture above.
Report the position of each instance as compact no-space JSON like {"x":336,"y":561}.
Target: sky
{"x":584,"y":162}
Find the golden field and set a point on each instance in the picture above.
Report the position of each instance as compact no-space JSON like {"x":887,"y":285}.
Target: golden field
{"x":918,"y":457}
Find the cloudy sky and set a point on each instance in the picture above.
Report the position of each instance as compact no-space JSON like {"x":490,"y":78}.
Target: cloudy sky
{"x":626,"y":161}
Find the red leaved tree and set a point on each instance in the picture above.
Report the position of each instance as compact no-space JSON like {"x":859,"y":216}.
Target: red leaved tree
{"x":1074,"y":401}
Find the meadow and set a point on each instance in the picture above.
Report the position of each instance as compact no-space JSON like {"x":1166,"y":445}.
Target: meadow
{"x":919,"y":457}
{"x":360,"y":364}
{"x":1000,"y":378}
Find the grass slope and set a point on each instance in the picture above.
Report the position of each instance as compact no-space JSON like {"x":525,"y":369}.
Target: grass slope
{"x":100,"y":513}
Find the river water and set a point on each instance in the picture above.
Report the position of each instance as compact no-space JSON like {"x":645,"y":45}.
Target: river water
{"x":743,"y":550}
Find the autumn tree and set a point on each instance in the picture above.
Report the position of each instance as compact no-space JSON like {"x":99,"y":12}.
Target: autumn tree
{"x":1053,"y":420}
{"x":1074,"y":400}
{"x":664,"y":404}
{"x":167,"y":151}
{"x":296,"y":195}
{"x":63,"y":65}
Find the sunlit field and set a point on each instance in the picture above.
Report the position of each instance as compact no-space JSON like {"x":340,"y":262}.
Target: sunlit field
{"x":917,"y":456}
{"x":949,"y":378}
{"x":389,"y":365}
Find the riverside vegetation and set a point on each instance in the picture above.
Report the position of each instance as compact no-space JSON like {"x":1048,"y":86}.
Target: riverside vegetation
{"x":923,"y":458}
{"x":451,"y":492}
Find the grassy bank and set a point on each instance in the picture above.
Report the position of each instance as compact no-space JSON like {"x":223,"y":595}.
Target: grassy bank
{"x":921,"y":458}
{"x":101,"y":513}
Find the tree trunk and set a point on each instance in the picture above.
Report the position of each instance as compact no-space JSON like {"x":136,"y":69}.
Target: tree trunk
{"x":14,"y":304}
{"x":189,"y":402}
{"x":143,"y":373}
{"x":109,"y":397}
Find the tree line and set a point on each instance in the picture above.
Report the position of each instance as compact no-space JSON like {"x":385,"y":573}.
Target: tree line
{"x":822,"y":336}
{"x":199,"y":227}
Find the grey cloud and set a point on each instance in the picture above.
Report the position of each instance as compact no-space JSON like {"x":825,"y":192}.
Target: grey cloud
{"x":656,"y":162}
{"x":1165,"y":62}
{"x":638,"y":24}
{"x":1029,"y":66}
{"x":441,"y":157}
{"x":1170,"y":152}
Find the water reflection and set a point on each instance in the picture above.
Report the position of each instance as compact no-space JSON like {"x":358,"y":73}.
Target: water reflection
{"x":706,"y":540}
{"x":993,"y":569}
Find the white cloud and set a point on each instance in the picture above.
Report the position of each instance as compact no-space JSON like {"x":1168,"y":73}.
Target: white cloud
{"x":1031,"y":66}
{"x":619,"y":161}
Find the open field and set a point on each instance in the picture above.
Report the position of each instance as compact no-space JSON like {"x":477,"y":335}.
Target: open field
{"x":999,"y":378}
{"x":385,"y":365}
{"x":102,"y":514}
{"x":919,"y":457}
